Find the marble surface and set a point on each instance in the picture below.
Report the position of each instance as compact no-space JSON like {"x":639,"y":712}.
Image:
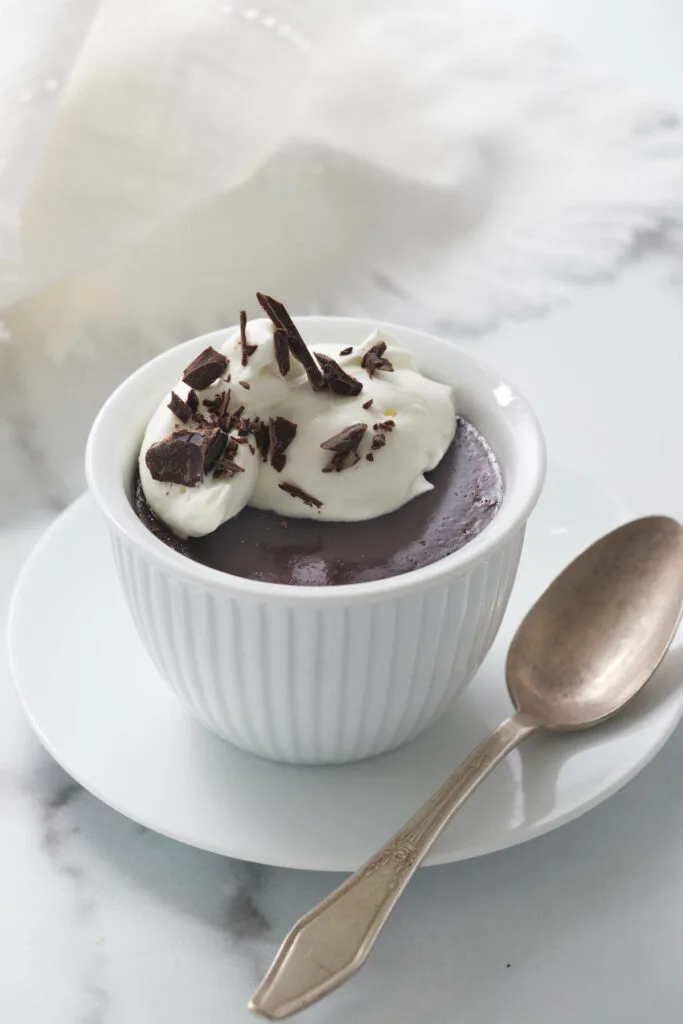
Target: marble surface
{"x":104,"y":922}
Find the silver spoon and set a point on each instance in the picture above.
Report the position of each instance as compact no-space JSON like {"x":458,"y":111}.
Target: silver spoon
{"x":588,"y":645}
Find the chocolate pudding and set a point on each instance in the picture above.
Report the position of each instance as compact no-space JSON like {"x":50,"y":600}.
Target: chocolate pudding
{"x":264,"y":546}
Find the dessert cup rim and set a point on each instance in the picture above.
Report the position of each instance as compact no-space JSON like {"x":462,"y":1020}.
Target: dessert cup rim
{"x":524,"y":480}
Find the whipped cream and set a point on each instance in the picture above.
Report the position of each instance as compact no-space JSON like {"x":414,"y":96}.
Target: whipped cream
{"x":409,"y":423}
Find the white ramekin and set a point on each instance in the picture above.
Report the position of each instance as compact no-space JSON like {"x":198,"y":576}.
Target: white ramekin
{"x":316,"y":675}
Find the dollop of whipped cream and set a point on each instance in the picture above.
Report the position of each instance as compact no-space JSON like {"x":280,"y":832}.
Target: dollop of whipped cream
{"x":279,"y":427}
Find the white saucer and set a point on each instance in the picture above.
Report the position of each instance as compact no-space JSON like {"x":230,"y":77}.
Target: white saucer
{"x":99,"y":706}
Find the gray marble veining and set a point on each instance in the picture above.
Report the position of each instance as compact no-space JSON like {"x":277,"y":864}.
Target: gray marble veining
{"x":244,"y":918}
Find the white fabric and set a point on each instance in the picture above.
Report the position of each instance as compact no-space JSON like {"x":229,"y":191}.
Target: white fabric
{"x":426,"y":162}
{"x":196,"y":144}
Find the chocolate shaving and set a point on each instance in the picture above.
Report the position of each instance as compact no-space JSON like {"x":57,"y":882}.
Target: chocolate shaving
{"x":346,"y":351}
{"x":378,"y":441}
{"x":261,"y":434}
{"x":346,"y":440}
{"x":281,"y":350}
{"x":218,"y":406}
{"x":178,"y":459}
{"x":343,"y":444}
{"x":374,"y":360}
{"x":296,"y":492}
{"x":336,"y":463}
{"x":370,"y":457}
{"x":244,"y":384}
{"x":226,"y":466}
{"x":366,"y":405}
{"x":214,"y":404}
{"x":297,"y":346}
{"x":336,"y":379}
{"x":179,"y":408}
{"x":237,"y":423}
{"x":215,"y":442}
{"x":192,"y":400}
{"x":281,"y":433}
{"x":387,"y":425}
{"x":247,"y":349}
{"x":204,"y":370}
{"x":225,"y":402}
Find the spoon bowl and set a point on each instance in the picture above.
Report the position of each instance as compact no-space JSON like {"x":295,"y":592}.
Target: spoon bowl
{"x":600,"y":630}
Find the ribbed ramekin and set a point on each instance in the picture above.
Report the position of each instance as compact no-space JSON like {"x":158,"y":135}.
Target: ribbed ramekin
{"x":315,"y":675}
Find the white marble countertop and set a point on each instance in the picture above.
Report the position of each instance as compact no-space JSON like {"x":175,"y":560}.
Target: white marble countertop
{"x":104,"y":922}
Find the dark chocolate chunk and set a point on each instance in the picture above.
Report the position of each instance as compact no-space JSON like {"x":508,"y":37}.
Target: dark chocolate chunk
{"x":247,"y":349}
{"x":297,"y":346}
{"x":366,"y":405}
{"x":215,"y":442}
{"x":204,"y":370}
{"x":178,"y":459}
{"x":296,"y":492}
{"x":180,"y":409}
{"x":281,"y":350}
{"x":347,"y":440}
{"x":186,"y":455}
{"x":346,"y":351}
{"x":378,"y":441}
{"x":281,"y":433}
{"x":343,"y":444}
{"x":374,"y":360}
{"x":336,"y":379}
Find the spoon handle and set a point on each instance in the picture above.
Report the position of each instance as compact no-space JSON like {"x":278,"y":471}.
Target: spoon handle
{"x":331,"y":941}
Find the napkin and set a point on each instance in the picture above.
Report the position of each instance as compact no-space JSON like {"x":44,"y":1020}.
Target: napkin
{"x":434,"y":163}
